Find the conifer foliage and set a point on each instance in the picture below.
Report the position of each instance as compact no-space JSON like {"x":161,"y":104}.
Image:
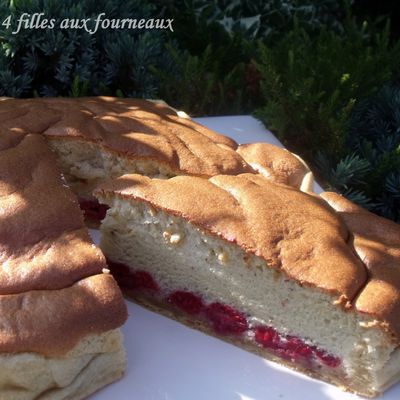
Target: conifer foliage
{"x":72,"y":62}
{"x":323,"y":98}
{"x":370,"y":174}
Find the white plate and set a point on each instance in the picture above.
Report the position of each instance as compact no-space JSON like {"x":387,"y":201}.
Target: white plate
{"x":168,"y":361}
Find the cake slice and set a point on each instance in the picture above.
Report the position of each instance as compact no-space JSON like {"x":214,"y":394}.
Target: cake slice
{"x":60,"y":311}
{"x":259,"y":264}
{"x":98,"y":138}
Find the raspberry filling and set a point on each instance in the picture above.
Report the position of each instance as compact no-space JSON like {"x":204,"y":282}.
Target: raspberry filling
{"x":133,"y":280}
{"x":93,"y":210}
{"x":225,"y":320}
{"x":292,"y":348}
{"x":186,"y":301}
{"x":328,"y":359}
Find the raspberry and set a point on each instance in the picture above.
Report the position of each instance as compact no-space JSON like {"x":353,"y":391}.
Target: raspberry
{"x":289,"y":348}
{"x":267,"y":337}
{"x":186,"y":301}
{"x":298,"y":346}
{"x":328,"y":359}
{"x":143,"y":280}
{"x":131,"y":279}
{"x":292,"y":348}
{"x":225,"y":320}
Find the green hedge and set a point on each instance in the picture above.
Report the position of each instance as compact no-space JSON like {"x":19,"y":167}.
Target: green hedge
{"x":317,"y":99}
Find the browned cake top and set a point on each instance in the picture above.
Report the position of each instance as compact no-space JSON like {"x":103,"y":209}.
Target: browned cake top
{"x":294,"y":232}
{"x":377,"y":243}
{"x":275,"y":163}
{"x":44,"y":247}
{"x":132,"y":127}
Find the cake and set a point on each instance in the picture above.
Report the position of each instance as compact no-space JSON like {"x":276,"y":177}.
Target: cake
{"x":98,"y":138}
{"x":60,"y":309}
{"x":264,"y":266}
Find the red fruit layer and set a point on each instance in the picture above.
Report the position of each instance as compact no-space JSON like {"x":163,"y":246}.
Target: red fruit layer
{"x":328,"y":359}
{"x":186,"y":301}
{"x":225,"y":320}
{"x":93,"y":210}
{"x":292,"y":348}
{"x":129,"y":279}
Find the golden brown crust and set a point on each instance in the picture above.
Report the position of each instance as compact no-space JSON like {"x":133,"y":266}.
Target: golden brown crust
{"x":44,"y":250}
{"x":275,"y":163}
{"x":294,"y":232}
{"x":377,"y":243}
{"x":129,"y":127}
{"x":51,"y":322}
